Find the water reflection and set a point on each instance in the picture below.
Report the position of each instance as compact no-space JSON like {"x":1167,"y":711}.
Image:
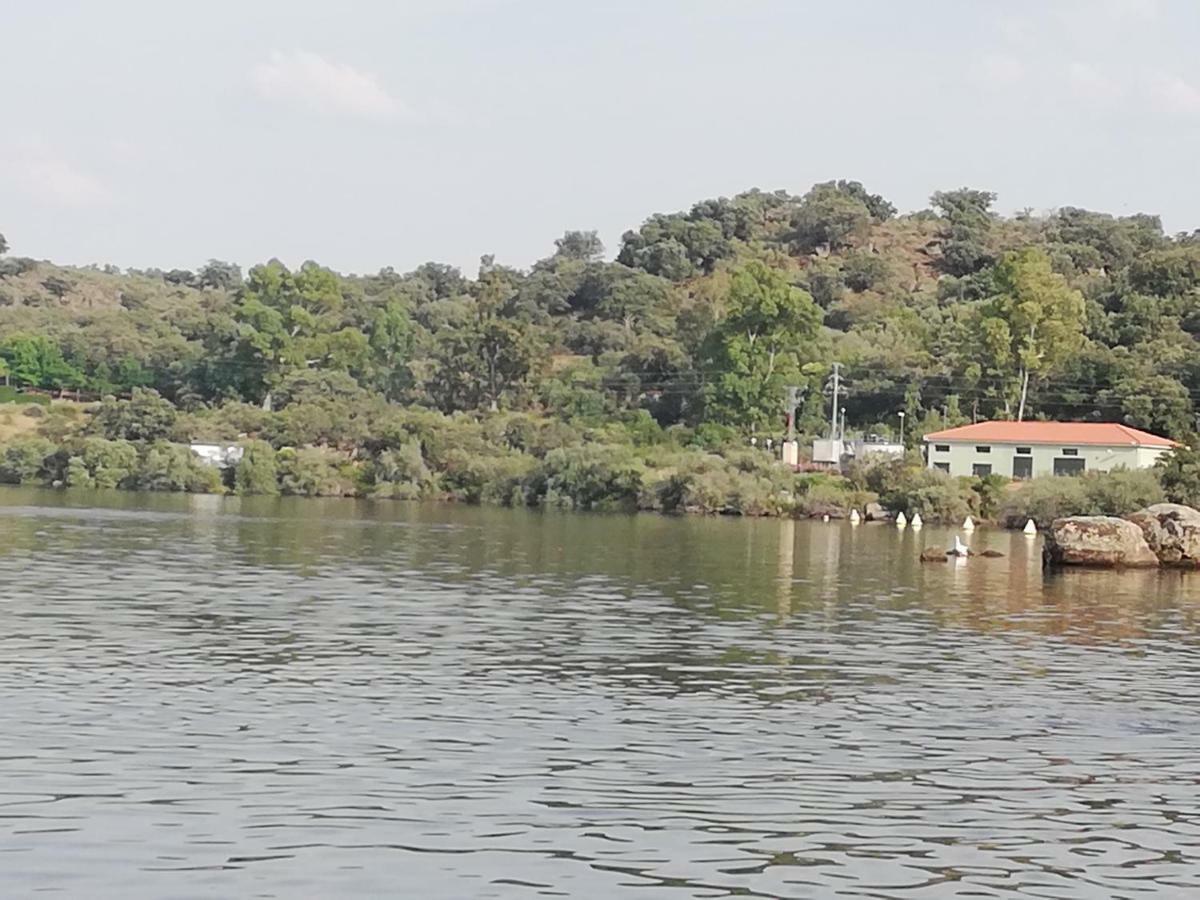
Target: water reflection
{"x":214,"y":697}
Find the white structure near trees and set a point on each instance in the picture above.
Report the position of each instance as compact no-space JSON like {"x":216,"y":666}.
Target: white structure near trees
{"x":220,"y":455}
{"x":1024,"y":450}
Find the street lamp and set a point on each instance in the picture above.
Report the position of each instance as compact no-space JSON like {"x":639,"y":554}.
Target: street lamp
{"x":901,"y":429}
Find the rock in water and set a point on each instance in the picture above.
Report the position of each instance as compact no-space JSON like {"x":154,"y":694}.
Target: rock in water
{"x":930,"y":554}
{"x":1102,"y":541}
{"x":1173,"y":533}
{"x":875,"y":512}
{"x":992,"y":554}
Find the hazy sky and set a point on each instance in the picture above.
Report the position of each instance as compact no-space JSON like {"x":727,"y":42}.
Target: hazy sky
{"x":367,"y":134}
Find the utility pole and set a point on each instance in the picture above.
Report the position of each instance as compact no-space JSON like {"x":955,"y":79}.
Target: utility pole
{"x":793,"y":400}
{"x":837,"y":384}
{"x":790,"y":451}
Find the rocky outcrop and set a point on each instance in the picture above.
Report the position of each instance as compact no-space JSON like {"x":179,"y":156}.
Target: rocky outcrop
{"x":1172,"y":532}
{"x":933,"y":555}
{"x":1102,"y":541}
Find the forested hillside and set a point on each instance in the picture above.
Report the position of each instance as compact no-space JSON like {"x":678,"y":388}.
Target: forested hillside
{"x":688,"y":339}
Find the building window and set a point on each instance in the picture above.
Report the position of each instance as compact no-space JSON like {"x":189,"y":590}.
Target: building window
{"x":942,"y":467}
{"x":980,"y":470}
{"x":1070,"y":452}
{"x":1022,"y":467}
{"x":1072,"y":466}
{"x":1024,"y":451}
{"x":983,"y":449}
{"x":941,"y":448}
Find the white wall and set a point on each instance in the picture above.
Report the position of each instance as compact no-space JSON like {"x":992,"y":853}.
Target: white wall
{"x":963,"y":456}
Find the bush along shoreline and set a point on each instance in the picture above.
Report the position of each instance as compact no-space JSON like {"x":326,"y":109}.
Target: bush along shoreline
{"x":520,"y":459}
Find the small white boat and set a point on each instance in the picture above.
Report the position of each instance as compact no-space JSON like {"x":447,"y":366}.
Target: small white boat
{"x":901,"y":520}
{"x":855,"y":518}
{"x":916,"y":520}
{"x":825,"y":518}
{"x":1030,"y":528}
{"x":959,"y":548}
{"x":968,"y":524}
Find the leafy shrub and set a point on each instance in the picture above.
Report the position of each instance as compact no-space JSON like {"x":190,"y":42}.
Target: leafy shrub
{"x":749,"y":484}
{"x":821,"y":494}
{"x":144,"y":417}
{"x":174,"y":467}
{"x":1122,"y":492}
{"x":713,"y":436}
{"x":24,"y":460}
{"x":257,"y":472}
{"x":496,"y":478}
{"x":312,"y":472}
{"x":1116,"y":493}
{"x":97,"y":462}
{"x":400,"y":474}
{"x":989,"y":492}
{"x":1179,"y":472}
{"x":588,"y":477}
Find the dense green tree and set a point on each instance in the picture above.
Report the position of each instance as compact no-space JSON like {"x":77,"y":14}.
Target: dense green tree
{"x":219,"y":275}
{"x":759,"y":346}
{"x":675,"y":246}
{"x":36,"y":361}
{"x":966,"y":232}
{"x":581,"y":245}
{"x":830,"y":217}
{"x":1031,"y":325}
{"x":146,"y":416}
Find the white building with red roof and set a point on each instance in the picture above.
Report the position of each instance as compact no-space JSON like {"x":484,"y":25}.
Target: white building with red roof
{"x":1033,"y":449}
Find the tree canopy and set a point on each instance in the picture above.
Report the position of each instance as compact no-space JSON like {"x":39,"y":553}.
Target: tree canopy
{"x":701,"y":322}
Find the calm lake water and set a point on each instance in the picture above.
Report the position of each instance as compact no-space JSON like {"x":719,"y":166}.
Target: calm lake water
{"x":214,"y":698}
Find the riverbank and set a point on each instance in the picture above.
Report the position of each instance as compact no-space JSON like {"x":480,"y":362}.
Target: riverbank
{"x":513,"y":463}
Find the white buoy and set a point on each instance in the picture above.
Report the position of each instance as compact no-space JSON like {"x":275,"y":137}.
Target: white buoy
{"x":855,"y":518}
{"x":916,"y":520}
{"x":959,"y":548}
{"x":968,"y":524}
{"x":825,"y":518}
{"x":901,"y":520}
{"x":1030,"y":528}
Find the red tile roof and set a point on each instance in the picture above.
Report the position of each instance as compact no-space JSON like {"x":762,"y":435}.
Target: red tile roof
{"x":1107,"y":434}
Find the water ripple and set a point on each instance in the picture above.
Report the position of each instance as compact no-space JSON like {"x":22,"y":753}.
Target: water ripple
{"x":293,"y":700}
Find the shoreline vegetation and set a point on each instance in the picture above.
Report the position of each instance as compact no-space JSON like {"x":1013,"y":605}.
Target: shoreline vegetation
{"x":649,"y":381}
{"x":515,"y":459}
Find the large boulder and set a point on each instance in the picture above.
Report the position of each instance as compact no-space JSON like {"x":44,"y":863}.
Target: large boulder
{"x":874,"y":512}
{"x":1172,"y":531}
{"x":1103,"y":541}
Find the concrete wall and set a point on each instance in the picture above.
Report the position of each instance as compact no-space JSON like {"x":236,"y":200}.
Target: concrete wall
{"x":962,"y":457}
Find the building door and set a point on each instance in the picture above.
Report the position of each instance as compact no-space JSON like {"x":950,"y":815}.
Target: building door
{"x":1022,"y":467}
{"x":1065,"y":465}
